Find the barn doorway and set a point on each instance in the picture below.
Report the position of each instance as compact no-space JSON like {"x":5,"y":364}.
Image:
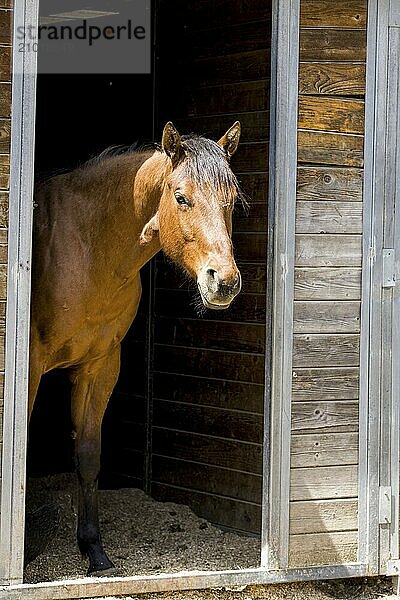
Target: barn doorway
{"x":187,"y":426}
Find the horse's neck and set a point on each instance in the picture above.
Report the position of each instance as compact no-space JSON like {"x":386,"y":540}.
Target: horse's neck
{"x":148,"y":188}
{"x":125,"y":194}
{"x":142,"y":201}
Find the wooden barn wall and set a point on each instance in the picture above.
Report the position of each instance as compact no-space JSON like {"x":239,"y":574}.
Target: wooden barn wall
{"x":207,"y":401}
{"x":5,"y":126}
{"x":324,"y":453}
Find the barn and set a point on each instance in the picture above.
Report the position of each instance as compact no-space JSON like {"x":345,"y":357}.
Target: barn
{"x":279,"y":418}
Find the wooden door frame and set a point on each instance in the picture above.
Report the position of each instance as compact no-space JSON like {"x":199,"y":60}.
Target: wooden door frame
{"x":12,"y":509}
{"x":380,"y":317}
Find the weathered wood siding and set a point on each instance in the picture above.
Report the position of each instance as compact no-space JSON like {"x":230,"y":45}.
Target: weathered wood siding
{"x":324,"y":449}
{"x":5,"y":127}
{"x":209,"y":371}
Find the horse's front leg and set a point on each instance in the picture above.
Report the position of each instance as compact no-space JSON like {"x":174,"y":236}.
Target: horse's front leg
{"x":93,"y":384}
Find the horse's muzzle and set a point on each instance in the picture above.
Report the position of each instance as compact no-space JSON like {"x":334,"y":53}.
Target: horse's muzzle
{"x":217,"y":293}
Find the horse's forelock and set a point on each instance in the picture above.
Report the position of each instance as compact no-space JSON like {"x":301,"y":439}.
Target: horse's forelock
{"x":207,"y":165}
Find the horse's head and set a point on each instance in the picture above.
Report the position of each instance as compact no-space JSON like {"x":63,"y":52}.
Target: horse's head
{"x":194,"y":218}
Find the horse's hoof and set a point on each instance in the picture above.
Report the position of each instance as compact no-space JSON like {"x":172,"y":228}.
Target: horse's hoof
{"x":108,"y":572}
{"x":100,"y":566}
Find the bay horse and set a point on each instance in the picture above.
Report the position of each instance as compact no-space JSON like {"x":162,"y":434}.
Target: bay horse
{"x":94,"y":229}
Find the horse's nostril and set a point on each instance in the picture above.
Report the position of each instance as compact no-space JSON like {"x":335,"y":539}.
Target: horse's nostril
{"x":224,"y":286}
{"x":212,"y":274}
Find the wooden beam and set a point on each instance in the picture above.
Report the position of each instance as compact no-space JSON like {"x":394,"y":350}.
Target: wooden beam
{"x":232,"y":68}
{"x":325,"y":416}
{"x":327,"y":283}
{"x":332,"y":45}
{"x":326,"y":316}
{"x":319,"y":516}
{"x":255,"y":125}
{"x":213,"y":451}
{"x":198,"y":333}
{"x":210,"y":392}
{"x":328,"y":250}
{"x":5,"y":135}
{"x":5,"y":26}
{"x":252,"y":157}
{"x":323,"y":113}
{"x":5,"y":100}
{"x":324,"y":449}
{"x":331,"y":548}
{"x":323,"y":147}
{"x":213,"y":507}
{"x":209,"y":363}
{"x":334,"y":78}
{"x":325,"y":350}
{"x":324,"y":483}
{"x":209,"y":420}
{"x":5,"y":63}
{"x":328,"y":217}
{"x":2,"y":352}
{"x":228,"y":98}
{"x":339,"y":184}
{"x":208,"y":479}
{"x":349,"y":14}
{"x":4,"y":171}
{"x":331,"y":383}
{"x":222,"y":40}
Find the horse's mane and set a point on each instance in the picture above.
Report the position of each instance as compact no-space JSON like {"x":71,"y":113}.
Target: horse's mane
{"x":118,"y":150}
{"x":206,"y":163}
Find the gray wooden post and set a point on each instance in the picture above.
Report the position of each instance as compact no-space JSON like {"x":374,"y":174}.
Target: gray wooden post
{"x":282,"y":204}
{"x":12,"y":509}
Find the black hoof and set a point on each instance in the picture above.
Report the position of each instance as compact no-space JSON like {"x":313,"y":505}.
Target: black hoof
{"x":99,"y":563}
{"x":40,"y":528}
{"x":110,"y":572}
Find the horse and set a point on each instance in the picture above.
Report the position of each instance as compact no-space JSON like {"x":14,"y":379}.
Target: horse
{"x":95,"y":227}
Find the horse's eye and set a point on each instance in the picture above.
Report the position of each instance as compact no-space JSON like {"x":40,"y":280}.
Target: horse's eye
{"x":181,"y":200}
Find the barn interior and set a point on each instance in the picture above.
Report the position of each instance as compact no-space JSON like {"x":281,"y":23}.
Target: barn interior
{"x":185,"y":423}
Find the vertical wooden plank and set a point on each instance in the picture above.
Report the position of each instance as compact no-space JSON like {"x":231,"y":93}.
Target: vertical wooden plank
{"x":391,"y":343}
{"x":12,"y":509}
{"x":371,"y":324}
{"x":283,"y":163}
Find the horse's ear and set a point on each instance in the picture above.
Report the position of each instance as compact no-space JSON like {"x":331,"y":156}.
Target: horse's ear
{"x":171,"y":141}
{"x":149,"y":230}
{"x":230,"y":141}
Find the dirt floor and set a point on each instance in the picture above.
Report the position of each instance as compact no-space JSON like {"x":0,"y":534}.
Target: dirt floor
{"x":140,"y":535}
{"x":143,"y":536}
